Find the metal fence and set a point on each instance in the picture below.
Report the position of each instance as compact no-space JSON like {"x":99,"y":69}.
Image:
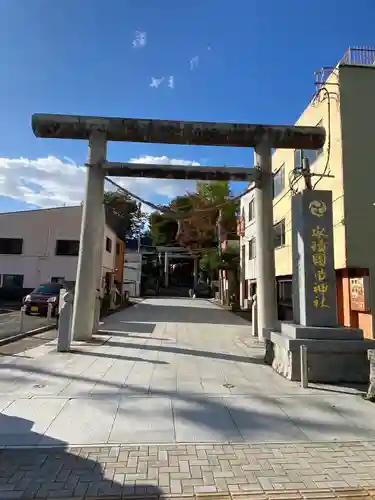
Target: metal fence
{"x":359,"y":56}
{"x":354,"y":56}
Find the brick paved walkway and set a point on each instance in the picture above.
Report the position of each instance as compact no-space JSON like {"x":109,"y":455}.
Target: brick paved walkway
{"x":263,"y":471}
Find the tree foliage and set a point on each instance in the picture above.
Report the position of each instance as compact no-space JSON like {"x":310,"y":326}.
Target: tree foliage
{"x":198,"y":229}
{"x":210,"y":263}
{"x":124,"y":214}
{"x":163,"y":229}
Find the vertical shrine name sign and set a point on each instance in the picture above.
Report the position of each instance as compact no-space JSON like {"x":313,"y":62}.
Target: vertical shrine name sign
{"x":314,"y":277}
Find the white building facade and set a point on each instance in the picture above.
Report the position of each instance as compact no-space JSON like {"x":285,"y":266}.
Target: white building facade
{"x":247,"y":249}
{"x":40,"y":246}
{"x":132,"y":273}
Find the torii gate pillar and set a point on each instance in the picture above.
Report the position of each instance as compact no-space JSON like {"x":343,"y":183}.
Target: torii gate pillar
{"x":91,"y":240}
{"x":264,"y":241}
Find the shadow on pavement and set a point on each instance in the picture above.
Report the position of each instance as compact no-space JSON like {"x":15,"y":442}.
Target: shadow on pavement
{"x":137,"y":327}
{"x":199,"y":311}
{"x":97,"y":354}
{"x":190,"y":352}
{"x":121,"y":333}
{"x":60,"y":472}
{"x":231,"y":418}
{"x":342,"y":389}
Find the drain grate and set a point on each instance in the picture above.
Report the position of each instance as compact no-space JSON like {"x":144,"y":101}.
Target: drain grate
{"x":229,"y":386}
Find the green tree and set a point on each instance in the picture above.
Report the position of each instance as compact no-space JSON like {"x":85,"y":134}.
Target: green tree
{"x":230,"y":260}
{"x":210,"y":263}
{"x":163,"y":229}
{"x":124,"y":214}
{"x":210,"y":201}
{"x":198,"y":228}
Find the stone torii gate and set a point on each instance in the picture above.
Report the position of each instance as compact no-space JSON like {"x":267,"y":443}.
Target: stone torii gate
{"x":99,"y":130}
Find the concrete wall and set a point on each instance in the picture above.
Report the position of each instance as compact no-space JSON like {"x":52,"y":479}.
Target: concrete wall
{"x":109,"y":258}
{"x":249,"y":265}
{"x":132,"y":273}
{"x":357,"y":97}
{"x":39,"y":230}
{"x":357,"y":91}
{"x":119,"y":260}
{"x":248,"y":270}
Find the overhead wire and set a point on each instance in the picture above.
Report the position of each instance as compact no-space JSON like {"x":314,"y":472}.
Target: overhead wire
{"x":325,"y":170}
{"x":136,"y":197}
{"x":326,"y":167}
{"x":180,"y":214}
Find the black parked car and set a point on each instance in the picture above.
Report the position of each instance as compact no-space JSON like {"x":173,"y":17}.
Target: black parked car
{"x":37,"y":301}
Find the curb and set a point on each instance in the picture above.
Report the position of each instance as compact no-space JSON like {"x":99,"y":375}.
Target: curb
{"x":254,"y":444}
{"x":20,"y":336}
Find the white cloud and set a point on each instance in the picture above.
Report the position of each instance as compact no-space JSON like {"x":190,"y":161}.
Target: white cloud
{"x":194,"y":61}
{"x":140,"y":40}
{"x":171,"y":82}
{"x":51,"y":182}
{"x":156,"y":82}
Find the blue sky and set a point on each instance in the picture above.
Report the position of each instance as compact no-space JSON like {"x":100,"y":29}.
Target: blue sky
{"x":245,"y":61}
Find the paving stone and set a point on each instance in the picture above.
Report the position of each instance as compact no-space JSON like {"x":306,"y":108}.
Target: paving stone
{"x":46,"y":474}
{"x":205,"y":489}
{"x":192,"y":482}
{"x":284,"y":495}
{"x":195,"y":471}
{"x":176,"y":486}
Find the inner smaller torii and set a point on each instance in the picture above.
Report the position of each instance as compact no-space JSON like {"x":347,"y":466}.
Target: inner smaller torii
{"x":99,"y":130}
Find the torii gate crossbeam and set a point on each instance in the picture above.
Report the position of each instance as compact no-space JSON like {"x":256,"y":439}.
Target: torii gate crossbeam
{"x":99,"y":130}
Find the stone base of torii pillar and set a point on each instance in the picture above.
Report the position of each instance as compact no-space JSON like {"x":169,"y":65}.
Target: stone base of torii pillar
{"x":335,"y":354}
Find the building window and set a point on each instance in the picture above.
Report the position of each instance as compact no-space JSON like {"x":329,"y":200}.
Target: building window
{"x":279,"y":181}
{"x":251,"y":210}
{"x":117,"y":248}
{"x":11,"y":246}
{"x":67,"y":247}
{"x":279,"y":231}
{"x":108,"y":244}
{"x":12,"y":280}
{"x":57,"y":279}
{"x":252,"y":249}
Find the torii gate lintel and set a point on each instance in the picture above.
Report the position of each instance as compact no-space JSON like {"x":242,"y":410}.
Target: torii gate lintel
{"x":99,"y":130}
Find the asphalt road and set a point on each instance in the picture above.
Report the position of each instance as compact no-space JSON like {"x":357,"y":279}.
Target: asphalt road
{"x":10,"y":323}
{"x":27,"y":343}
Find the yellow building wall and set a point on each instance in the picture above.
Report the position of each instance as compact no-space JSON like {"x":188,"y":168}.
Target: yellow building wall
{"x":321,"y":108}
{"x":357,"y":86}
{"x":357,"y":89}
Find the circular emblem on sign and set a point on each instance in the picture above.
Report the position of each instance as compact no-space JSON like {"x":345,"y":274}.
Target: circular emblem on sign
{"x":318,"y":208}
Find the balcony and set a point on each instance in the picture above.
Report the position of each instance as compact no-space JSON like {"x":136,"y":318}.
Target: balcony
{"x":354,"y":56}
